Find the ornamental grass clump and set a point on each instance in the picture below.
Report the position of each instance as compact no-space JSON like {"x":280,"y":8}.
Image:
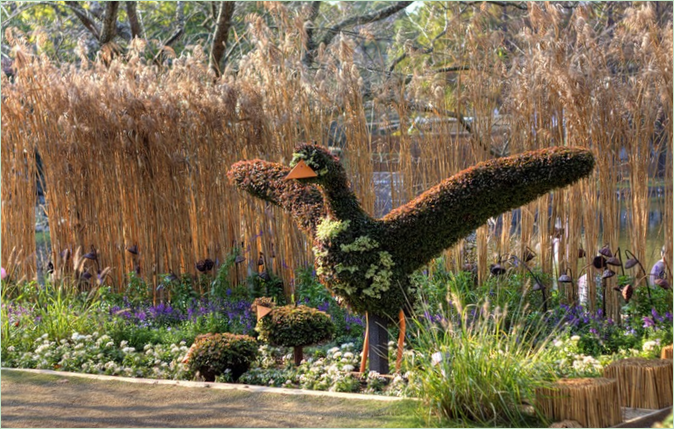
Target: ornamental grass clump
{"x":212,"y":355}
{"x":480,"y":365}
{"x":296,"y":327}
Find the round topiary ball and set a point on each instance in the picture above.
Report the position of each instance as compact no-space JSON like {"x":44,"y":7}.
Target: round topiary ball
{"x":213,"y":354}
{"x":296,"y":327}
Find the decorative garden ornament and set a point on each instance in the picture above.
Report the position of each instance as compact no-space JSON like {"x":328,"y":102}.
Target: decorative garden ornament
{"x":368,"y":262}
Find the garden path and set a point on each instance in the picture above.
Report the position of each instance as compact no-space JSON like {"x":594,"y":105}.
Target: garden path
{"x":46,"y":400}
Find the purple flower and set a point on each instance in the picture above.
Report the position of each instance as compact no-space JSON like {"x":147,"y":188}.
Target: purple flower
{"x":594,"y":331}
{"x":648,"y":322}
{"x":655,"y":314}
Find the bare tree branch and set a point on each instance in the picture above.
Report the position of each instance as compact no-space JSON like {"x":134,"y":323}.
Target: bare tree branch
{"x":451,"y":69}
{"x":222,"y":27}
{"x":109,"y":22}
{"x":180,"y":19}
{"x":86,"y":18}
{"x":134,"y":20}
{"x":363,"y":19}
{"x":426,"y":51}
{"x":518,"y":5}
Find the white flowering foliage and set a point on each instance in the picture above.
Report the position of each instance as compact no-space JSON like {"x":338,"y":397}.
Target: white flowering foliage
{"x":98,"y":354}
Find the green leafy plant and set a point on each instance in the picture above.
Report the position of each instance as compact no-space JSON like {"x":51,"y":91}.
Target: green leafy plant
{"x":296,"y":327}
{"x":308,"y":289}
{"x":475,"y":367}
{"x":267,"y":284}
{"x":212,"y":355}
{"x":136,"y":291}
{"x":220,"y":283}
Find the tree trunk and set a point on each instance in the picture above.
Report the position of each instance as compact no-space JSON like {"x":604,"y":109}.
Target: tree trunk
{"x":378,"y":344}
{"x":134,"y":20}
{"x":310,"y":25}
{"x":298,"y":354}
{"x":221,"y":33}
{"x":109,"y":22}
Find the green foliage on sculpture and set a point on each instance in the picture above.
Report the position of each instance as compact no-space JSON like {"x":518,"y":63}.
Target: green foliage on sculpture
{"x":291,"y":326}
{"x":263,"y":301}
{"x":441,"y":216}
{"x":265,"y":180}
{"x":212,"y":355}
{"x":367,"y":261}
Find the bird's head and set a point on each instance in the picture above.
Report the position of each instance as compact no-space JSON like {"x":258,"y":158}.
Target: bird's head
{"x":314,"y":164}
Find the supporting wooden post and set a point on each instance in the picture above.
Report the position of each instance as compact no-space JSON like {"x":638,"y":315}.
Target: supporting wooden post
{"x":366,"y":346}
{"x":401,"y":340}
{"x":378,"y":344}
{"x":298,"y":355}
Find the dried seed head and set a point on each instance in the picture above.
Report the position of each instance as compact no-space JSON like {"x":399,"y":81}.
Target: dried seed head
{"x":627,"y":292}
{"x":565,"y":278}
{"x":613,"y":261}
{"x":606,"y":251}
{"x":205,"y":265}
{"x":607,"y":274}
{"x":497,"y":269}
{"x":599,"y":262}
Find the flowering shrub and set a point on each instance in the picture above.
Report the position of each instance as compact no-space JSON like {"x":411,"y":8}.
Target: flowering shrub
{"x":98,"y":354}
{"x":601,"y":336}
{"x":570,"y":362}
{"x":331,"y":370}
{"x":216,"y":354}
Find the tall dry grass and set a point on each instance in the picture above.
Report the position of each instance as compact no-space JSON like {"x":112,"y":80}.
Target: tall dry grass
{"x":135,"y":154}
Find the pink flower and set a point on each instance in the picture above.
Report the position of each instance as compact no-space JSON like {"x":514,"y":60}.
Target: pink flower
{"x":3,"y":273}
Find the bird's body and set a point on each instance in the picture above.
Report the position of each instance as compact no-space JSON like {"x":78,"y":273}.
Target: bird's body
{"x":367,"y":261}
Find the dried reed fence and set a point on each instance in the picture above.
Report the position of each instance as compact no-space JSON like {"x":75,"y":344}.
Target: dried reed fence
{"x":643,"y":383}
{"x":134,"y":154}
{"x":592,"y":402}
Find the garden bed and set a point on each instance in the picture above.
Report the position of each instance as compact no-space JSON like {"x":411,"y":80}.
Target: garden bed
{"x":103,"y":334}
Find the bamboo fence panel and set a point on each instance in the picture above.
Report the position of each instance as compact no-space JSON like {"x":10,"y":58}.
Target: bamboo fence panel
{"x":593,"y":402}
{"x":643,"y":383}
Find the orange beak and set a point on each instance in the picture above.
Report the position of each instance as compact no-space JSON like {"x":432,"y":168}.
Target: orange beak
{"x":262,"y":311}
{"x":301,"y":171}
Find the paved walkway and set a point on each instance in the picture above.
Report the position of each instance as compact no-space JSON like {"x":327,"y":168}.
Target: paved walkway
{"x":31,"y":399}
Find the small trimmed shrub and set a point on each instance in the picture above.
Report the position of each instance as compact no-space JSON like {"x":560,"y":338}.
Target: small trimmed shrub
{"x":212,"y":355}
{"x":296,"y":327}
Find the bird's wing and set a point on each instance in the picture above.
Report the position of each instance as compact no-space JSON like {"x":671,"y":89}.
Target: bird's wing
{"x":266,"y":180}
{"x":421,"y":229}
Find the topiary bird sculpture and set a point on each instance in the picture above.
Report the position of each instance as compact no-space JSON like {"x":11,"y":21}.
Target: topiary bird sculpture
{"x":368,"y":262}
